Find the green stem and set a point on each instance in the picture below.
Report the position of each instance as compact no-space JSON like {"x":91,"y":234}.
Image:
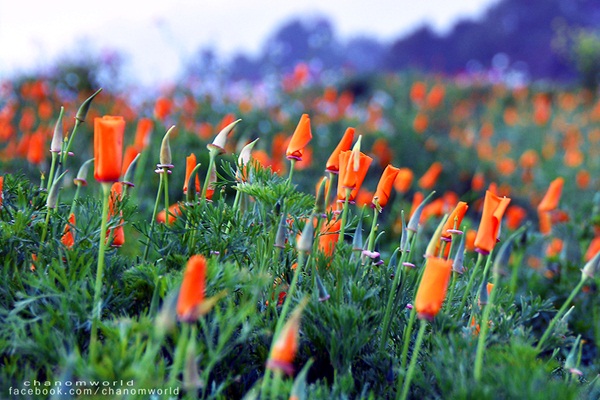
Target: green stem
{"x":152,"y":221}
{"x":266,"y":383}
{"x":275,"y":384}
{"x":328,"y":192}
{"x":515,"y":276}
{"x":52,"y":171}
{"x":448,"y":302}
{"x":388,"y":308}
{"x":484,"y":330}
{"x":211,"y":164}
{"x":46,"y":223}
{"x":344,"y":217}
{"x":65,"y":153}
{"x":165,"y":178}
{"x":407,"y":334}
{"x":413,"y":360}
{"x":292,"y":164}
{"x":179,"y":354}
{"x":373,"y":233}
{"x":470,"y":283}
{"x":560,"y":313}
{"x":99,"y":272}
{"x":75,"y":197}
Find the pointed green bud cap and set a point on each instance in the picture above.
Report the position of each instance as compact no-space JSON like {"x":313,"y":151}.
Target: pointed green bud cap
{"x":85,"y":107}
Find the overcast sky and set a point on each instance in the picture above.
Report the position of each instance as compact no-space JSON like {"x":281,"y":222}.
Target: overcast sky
{"x":157,"y":35}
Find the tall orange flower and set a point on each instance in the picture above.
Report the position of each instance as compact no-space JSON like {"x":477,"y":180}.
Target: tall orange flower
{"x":353,"y":169}
{"x":384,"y":187}
{"x":108,"y":148}
{"x":302,"y":135}
{"x":431,"y":176}
{"x":67,"y":238}
{"x":191,"y":293}
{"x":333,"y":163}
{"x":548,"y":204}
{"x":432,"y":289}
{"x":491,"y":218}
{"x":190,"y":164}
{"x":35,"y":150}
{"x":329,"y":236}
{"x":454,"y":219}
{"x":117,"y":233}
{"x":143,"y":132}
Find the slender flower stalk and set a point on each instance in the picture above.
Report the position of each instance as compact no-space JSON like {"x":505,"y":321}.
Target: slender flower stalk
{"x":79,"y":119}
{"x":97,"y":306}
{"x":413,"y":361}
{"x":56,"y":147}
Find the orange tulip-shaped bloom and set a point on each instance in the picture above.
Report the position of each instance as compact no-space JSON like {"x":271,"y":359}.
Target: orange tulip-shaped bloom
{"x":552,"y":197}
{"x":333,"y":163}
{"x":35,"y":151}
{"x":302,"y":135}
{"x":432,"y":289}
{"x":489,"y":226}
{"x":548,"y":204}
{"x":108,"y":148}
{"x":353,"y":170}
{"x":403,"y":180}
{"x":431,"y":176}
{"x":190,"y":164}
{"x":384,"y":187}
{"x":593,"y":248}
{"x":454,"y":220}
{"x":142,"y":133}
{"x":131,"y":153}
{"x":191,"y":293}
{"x":67,"y":237}
{"x":285,"y":347}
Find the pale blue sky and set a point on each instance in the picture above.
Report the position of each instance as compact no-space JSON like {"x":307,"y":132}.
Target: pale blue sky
{"x":157,"y":35}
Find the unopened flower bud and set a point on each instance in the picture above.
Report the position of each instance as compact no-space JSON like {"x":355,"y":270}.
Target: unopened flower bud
{"x":165,"y":150}
{"x":413,"y":223}
{"x":306,"y":239}
{"x":57,"y":137}
{"x":82,"y":173}
{"x":85,"y":107}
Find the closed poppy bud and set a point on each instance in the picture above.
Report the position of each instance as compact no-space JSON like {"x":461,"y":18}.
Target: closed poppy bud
{"x":302,"y":135}
{"x":384,"y":187}
{"x":85,"y":107}
{"x":67,"y":238}
{"x":491,"y":218}
{"x":353,"y":170}
{"x":191,"y":293}
{"x":219,"y":142}
{"x":454,"y":220}
{"x":333,"y":163}
{"x":285,"y":347}
{"x":432,"y":289}
{"x":108,"y":148}
{"x":57,"y":137}
{"x":592,"y":250}
{"x":80,"y":180}
{"x":431,"y":176}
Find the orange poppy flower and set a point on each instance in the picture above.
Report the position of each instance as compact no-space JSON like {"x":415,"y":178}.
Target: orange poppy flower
{"x":554,"y":247}
{"x":515,"y":216}
{"x":302,"y":135}
{"x":418,"y":198}
{"x":329,"y":237}
{"x":131,"y":153}
{"x":583,"y":179}
{"x":432,"y":289}
{"x":420,"y":123}
{"x":35,"y":151}
{"x":478,"y":182}
{"x":333,"y":163}
{"x":491,"y":218}
{"x":381,"y":149}
{"x":163,"y":108}
{"x":190,"y":164}
{"x":67,"y":237}
{"x":352,"y":173}
{"x":108,"y":148}
{"x":143,"y":132}
{"x":285,"y":347}
{"x":403,"y":180}
{"x":470,"y":236}
{"x":418,"y":92}
{"x":552,"y":196}
{"x":174,"y":212}
{"x":592,"y":249}
{"x":191,"y":293}
{"x":457,"y":214}
{"x":384,"y":187}
{"x":431,"y":176}
{"x":117,"y":233}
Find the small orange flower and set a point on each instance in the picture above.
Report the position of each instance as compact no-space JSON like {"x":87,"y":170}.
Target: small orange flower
{"x":143,"y":132}
{"x":552,"y":196}
{"x":491,"y":218}
{"x":583,"y":179}
{"x":190,"y":164}
{"x":333,"y":163}
{"x":131,"y":153}
{"x":117,"y":233}
{"x":431,"y":176}
{"x":35,"y":151}
{"x":384,"y":187}
{"x":455,"y":219}
{"x":418,"y":92}
{"x":163,"y":108}
{"x":191,"y":293}
{"x":382,"y":150}
{"x":478,"y":182}
{"x":285,"y":347}
{"x":432,"y":289}
{"x":515,"y":216}
{"x":403,"y":180}
{"x":67,"y":238}
{"x":302,"y":135}
{"x":108,"y":148}
{"x":420,"y":123}
{"x":174,"y":212}
{"x":329,"y":237}
{"x":352,"y":173}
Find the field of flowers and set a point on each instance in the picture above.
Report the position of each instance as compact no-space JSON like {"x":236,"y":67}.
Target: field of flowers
{"x":391,"y":236}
